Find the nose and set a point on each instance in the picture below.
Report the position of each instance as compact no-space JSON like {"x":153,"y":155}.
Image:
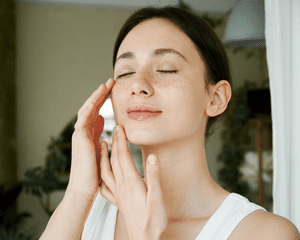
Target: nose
{"x":141,"y":85}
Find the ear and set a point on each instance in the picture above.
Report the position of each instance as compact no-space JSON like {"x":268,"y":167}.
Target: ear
{"x":219,"y":96}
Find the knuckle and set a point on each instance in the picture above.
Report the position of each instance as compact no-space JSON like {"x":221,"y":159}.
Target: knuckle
{"x":80,"y":133}
{"x":152,"y":175}
{"x":103,"y":172}
{"x":103,"y":190}
{"x":133,"y":179}
{"x":77,"y":126}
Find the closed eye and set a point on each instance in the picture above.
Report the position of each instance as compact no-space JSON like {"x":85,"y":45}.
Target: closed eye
{"x":161,"y":71}
{"x":167,"y":71}
{"x":125,"y":74}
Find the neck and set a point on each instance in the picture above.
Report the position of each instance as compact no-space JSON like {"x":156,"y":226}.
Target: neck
{"x":185,"y":180}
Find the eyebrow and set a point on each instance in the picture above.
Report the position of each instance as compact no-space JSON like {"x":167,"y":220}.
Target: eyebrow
{"x":129,"y":55}
{"x":163,"y":51}
{"x":156,"y":53}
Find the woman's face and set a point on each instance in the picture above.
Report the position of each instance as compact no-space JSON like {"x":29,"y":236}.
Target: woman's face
{"x":158,"y":66}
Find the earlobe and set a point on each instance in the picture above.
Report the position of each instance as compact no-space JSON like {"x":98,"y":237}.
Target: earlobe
{"x":220,"y":95}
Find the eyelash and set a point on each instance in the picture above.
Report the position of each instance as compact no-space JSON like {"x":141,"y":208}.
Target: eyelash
{"x":122,"y":75}
{"x":161,"y":71}
{"x":167,"y":71}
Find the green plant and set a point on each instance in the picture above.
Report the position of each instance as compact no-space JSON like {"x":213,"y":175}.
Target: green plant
{"x":58,"y":158}
{"x":41,"y":181}
{"x":235,"y":138}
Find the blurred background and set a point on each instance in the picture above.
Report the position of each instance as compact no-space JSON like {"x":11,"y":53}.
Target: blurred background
{"x":54,"y":54}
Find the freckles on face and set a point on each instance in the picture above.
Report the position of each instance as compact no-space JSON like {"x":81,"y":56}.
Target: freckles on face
{"x":180,"y":96}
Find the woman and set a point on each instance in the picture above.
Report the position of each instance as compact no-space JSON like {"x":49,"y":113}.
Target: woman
{"x":171,"y":82}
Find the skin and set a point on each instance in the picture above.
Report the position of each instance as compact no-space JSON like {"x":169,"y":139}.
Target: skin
{"x":176,"y":136}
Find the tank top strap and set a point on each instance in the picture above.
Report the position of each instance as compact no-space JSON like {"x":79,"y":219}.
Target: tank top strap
{"x":231,"y":212}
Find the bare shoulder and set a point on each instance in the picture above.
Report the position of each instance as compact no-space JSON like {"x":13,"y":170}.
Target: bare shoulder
{"x":261,"y":225}
{"x":276,"y":227}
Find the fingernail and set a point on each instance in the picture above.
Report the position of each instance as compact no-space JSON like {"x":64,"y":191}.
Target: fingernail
{"x":152,"y":160}
{"x":102,"y":145}
{"x":108,"y":80}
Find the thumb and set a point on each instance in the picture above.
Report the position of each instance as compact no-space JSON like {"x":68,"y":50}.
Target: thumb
{"x":153,"y":177}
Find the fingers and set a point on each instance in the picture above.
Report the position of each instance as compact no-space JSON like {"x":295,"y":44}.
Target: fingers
{"x":106,"y":171}
{"x":90,"y":109}
{"x":99,"y":101}
{"x":83,"y":116}
{"x":98,"y":95}
{"x":108,"y":185}
{"x":124,"y":156}
{"x":106,"y":193}
{"x":153,"y":178}
{"x":117,"y":171}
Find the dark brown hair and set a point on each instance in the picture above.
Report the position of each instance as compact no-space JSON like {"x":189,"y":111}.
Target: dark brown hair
{"x":210,"y":48}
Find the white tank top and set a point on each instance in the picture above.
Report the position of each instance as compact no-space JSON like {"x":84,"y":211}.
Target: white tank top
{"x":101,"y":221}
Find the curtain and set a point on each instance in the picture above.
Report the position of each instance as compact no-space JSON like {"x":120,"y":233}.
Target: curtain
{"x":282,"y":32}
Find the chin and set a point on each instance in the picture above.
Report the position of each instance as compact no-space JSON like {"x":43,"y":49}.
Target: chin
{"x":141,"y":138}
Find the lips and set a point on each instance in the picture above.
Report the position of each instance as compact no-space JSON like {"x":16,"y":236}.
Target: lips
{"x":141,"y":109}
{"x":141,"y":113}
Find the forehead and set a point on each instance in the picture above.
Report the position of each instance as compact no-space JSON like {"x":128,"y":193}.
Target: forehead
{"x":157,"y":33}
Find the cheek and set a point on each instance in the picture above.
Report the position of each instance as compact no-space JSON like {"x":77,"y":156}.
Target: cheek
{"x":184,"y":88}
{"x":117,"y":91}
{"x":116,"y":99}
{"x":187,"y":83}
{"x":190,"y":94}
{"x":182,"y":100}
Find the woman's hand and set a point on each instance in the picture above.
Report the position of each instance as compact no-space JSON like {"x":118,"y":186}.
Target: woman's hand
{"x":142,"y":206}
{"x":67,"y":221}
{"x":85,"y":167}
